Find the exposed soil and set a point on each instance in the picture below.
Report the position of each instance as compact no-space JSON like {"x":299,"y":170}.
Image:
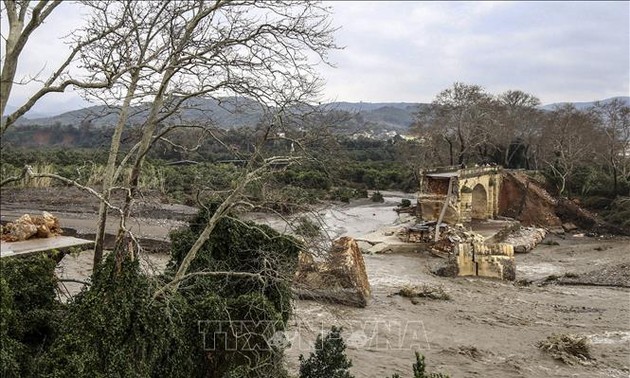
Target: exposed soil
{"x":487,"y":328}
{"x":523,"y":199}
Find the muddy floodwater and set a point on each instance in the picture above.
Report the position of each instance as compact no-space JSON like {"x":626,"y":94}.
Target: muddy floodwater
{"x":488,"y":328}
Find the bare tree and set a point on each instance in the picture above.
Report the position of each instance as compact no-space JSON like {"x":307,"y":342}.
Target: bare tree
{"x":614,"y":120}
{"x":460,"y":116}
{"x":263,"y":51}
{"x":134,"y":47}
{"x":516,"y":123}
{"x":20,"y":28}
{"x":569,"y":140}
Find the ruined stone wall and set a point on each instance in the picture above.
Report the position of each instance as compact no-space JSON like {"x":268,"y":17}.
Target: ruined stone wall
{"x":486,"y":260}
{"x":490,"y":181}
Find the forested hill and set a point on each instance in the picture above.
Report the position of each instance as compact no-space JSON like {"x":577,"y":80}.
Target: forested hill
{"x":236,"y":112}
{"x":369,"y":119}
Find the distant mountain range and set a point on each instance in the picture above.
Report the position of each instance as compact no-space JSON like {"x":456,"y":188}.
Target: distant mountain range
{"x":239,"y":111}
{"x":586,"y":105}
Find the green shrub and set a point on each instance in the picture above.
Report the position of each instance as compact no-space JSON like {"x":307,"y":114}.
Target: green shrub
{"x":115,"y":328}
{"x":329,"y":359}
{"x":360,"y":193}
{"x":214,"y":326}
{"x":405,"y":203}
{"x":29,"y":313}
{"x":377,"y":197}
{"x":419,"y":369}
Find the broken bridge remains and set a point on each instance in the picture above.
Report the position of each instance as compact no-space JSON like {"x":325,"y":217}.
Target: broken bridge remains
{"x":455,"y":196}
{"x":459,"y":195}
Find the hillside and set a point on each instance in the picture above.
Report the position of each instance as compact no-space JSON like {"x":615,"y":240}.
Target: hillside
{"x":234,"y":112}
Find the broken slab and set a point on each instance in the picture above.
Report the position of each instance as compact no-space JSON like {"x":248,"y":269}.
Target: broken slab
{"x":526,"y":238}
{"x":340,"y":278}
{"x":32,"y":246}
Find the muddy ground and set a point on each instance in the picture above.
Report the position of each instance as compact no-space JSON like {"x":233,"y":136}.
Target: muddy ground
{"x":488,"y":328}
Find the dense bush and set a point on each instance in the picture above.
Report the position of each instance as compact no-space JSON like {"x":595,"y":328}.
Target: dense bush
{"x":345,"y":194}
{"x":404,"y":203}
{"x":115,"y":328}
{"x":29,"y":313}
{"x":216,"y":325}
{"x":259,"y":305}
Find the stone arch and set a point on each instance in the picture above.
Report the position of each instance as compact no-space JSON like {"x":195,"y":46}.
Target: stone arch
{"x":479,"y":202}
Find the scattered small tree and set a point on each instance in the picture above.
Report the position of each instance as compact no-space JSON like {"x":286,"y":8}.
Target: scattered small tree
{"x":377,"y":197}
{"x":419,"y":369}
{"x":329,"y":359}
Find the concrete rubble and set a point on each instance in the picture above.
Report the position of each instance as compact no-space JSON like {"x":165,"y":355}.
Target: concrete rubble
{"x":31,"y":226}
{"x":466,"y":252}
{"x":340,"y":278}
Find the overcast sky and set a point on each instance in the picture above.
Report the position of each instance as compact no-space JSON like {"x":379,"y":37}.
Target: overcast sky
{"x":409,"y":51}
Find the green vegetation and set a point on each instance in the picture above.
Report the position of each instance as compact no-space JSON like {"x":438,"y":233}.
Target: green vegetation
{"x":377,"y":197}
{"x":405,"y":203}
{"x":347,"y":174}
{"x":419,"y":369}
{"x":307,"y":228}
{"x":238,"y":288}
{"x":29,"y":314}
{"x":329,"y":359}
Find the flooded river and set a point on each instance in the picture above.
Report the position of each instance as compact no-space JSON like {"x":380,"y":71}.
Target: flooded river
{"x":488,"y":328}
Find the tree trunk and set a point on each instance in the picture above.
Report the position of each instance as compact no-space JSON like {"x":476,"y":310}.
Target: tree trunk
{"x":108,"y":179}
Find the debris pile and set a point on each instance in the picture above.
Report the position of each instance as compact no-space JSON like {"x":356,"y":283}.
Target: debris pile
{"x":526,"y":238}
{"x":448,"y":237}
{"x":31,"y":226}
{"x":423,"y":291}
{"x":340,"y":278}
{"x":568,"y":348}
